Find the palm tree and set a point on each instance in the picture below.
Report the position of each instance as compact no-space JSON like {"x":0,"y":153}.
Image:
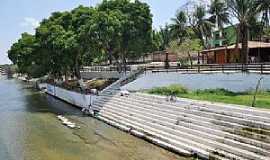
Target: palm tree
{"x":219,"y":13}
{"x":179,"y":26}
{"x":156,"y":40}
{"x":265,"y":6}
{"x":244,"y":11}
{"x":165,"y":36}
{"x":201,"y":25}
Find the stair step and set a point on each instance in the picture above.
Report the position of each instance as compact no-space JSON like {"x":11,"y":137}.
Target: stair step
{"x":188,"y":135}
{"x":153,"y":133}
{"x":213,"y":109}
{"x":142,"y":135}
{"x":223,"y":155}
{"x":249,"y":123}
{"x":185,"y":141}
{"x":225,"y":130}
{"x":228,"y":107}
{"x":173,"y":110}
{"x":224,"y":134}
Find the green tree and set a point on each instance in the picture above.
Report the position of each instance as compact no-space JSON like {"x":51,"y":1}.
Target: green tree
{"x":185,"y":49}
{"x":53,"y":36}
{"x":166,"y":36}
{"x":105,"y":33}
{"x":136,"y":26}
{"x":219,"y":13}
{"x":201,"y":25}
{"x":265,"y":6}
{"x":66,"y":40}
{"x":25,"y":55}
{"x":179,"y":26}
{"x":256,"y":29}
{"x":156,"y":41}
{"x":60,"y":38}
{"x":81,"y":17}
{"x":244,"y":11}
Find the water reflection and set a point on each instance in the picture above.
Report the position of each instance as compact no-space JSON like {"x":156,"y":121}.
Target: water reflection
{"x":30,"y":130}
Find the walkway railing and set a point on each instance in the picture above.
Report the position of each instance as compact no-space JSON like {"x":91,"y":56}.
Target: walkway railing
{"x":263,"y":68}
{"x":102,"y":69}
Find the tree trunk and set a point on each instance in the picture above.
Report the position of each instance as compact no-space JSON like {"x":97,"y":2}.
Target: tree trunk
{"x":190,"y":60}
{"x":167,"y":65}
{"x":245,"y":49}
{"x":66,"y":77}
{"x":110,"y":58}
{"x":77,"y":68}
{"x":124,"y":62}
{"x":110,"y":55}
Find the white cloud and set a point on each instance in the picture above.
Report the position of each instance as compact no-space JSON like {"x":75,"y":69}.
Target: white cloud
{"x":30,"y":22}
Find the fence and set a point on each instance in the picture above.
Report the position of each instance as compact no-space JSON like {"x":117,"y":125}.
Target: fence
{"x":103,"y":69}
{"x":262,"y":68}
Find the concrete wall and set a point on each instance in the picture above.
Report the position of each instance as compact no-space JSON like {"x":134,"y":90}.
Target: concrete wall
{"x":42,"y":86}
{"x":77,"y":99}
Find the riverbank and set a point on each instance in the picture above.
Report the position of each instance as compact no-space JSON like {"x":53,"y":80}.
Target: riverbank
{"x":216,"y":95}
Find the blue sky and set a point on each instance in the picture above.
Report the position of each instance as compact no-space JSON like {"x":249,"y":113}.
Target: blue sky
{"x":18,"y":16}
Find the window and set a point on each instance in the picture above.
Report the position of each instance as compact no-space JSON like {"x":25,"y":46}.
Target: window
{"x":217,"y":35}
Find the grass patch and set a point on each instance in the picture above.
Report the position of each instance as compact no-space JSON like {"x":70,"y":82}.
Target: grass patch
{"x":170,"y":90}
{"x":216,"y":95}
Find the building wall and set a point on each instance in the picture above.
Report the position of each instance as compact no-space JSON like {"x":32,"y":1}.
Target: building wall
{"x":223,"y":56}
{"x":161,"y":57}
{"x":220,"y":39}
{"x":220,"y":57}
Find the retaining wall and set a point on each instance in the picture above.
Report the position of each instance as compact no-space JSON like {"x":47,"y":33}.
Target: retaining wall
{"x":74,"y":98}
{"x":101,"y":74}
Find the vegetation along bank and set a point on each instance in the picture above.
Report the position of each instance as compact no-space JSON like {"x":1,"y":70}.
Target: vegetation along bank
{"x":216,"y":95}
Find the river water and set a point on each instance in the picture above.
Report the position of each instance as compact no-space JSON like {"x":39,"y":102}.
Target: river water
{"x":29,"y":130}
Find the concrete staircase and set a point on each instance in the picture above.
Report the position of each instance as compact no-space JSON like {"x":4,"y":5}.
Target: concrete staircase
{"x":189,"y":127}
{"x":116,"y":86}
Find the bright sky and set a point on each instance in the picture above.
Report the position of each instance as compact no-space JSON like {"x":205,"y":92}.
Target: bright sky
{"x":18,"y":16}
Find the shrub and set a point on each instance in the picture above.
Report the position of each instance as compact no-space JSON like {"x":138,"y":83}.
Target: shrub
{"x":99,"y":84}
{"x":170,"y":90}
{"x":218,"y":91}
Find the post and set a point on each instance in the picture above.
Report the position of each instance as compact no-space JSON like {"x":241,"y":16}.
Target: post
{"x":255,"y":94}
{"x":261,"y":68}
{"x":167,"y":65}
